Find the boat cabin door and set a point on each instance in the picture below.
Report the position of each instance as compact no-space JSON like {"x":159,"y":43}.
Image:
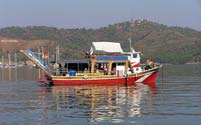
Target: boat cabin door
{"x":135,"y":62}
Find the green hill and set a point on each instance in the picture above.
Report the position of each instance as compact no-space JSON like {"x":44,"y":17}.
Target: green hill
{"x":161,"y":43}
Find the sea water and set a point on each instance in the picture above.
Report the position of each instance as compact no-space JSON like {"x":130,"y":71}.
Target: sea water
{"x":174,"y":99}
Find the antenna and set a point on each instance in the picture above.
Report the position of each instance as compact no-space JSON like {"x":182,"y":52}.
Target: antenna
{"x":129,"y":39}
{"x":131,"y":32}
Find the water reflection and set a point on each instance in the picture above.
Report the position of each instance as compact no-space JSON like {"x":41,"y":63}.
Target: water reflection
{"x":102,"y":103}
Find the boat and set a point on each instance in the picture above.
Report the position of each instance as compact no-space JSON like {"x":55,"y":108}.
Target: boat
{"x":105,"y":63}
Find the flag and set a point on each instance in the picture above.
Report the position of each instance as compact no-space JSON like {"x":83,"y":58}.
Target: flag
{"x":45,"y":54}
{"x":91,"y":51}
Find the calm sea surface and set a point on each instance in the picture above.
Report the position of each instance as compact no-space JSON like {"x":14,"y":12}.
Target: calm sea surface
{"x":176,"y":99}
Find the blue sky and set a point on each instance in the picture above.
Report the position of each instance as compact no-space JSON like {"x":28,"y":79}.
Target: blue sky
{"x":97,"y":13}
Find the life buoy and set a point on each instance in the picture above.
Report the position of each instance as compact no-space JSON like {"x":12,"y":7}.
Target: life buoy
{"x":85,"y":77}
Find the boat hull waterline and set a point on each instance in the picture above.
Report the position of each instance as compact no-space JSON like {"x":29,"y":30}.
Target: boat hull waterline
{"x":144,"y":77}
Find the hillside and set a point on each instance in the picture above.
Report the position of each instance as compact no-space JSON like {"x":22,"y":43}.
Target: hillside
{"x":162,"y":43}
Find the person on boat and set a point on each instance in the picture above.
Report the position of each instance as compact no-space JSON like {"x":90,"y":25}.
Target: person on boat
{"x":85,"y":70}
{"x":97,"y":70}
{"x":105,"y":70}
{"x":149,"y":64}
{"x":112,"y":72}
{"x":56,"y":69}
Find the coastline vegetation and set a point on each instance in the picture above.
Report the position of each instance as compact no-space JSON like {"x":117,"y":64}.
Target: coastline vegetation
{"x":159,"y":42}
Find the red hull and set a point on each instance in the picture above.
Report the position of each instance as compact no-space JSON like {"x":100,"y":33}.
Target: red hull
{"x":146,"y":78}
{"x":107,"y":81}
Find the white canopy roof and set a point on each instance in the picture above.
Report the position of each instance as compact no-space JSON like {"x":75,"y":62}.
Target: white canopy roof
{"x":106,"y":47}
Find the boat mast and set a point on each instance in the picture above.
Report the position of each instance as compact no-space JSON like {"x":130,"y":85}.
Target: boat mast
{"x":57,"y":54}
{"x":9,"y":60}
{"x":2,"y":63}
{"x":15,"y":59}
{"x":2,"y":60}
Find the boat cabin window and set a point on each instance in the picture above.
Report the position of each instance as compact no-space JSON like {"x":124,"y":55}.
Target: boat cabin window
{"x":134,"y":55}
{"x":77,"y":66}
{"x":101,"y":67}
{"x":120,"y":63}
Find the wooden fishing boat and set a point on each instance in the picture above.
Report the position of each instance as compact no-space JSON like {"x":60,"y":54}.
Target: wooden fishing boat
{"x":105,"y":63}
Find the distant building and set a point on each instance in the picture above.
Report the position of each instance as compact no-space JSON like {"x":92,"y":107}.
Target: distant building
{"x":9,"y":41}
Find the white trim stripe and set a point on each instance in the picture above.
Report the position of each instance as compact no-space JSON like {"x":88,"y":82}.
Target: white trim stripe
{"x":144,"y":77}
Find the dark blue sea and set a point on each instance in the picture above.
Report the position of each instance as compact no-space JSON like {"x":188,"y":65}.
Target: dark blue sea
{"x":175,"y":99}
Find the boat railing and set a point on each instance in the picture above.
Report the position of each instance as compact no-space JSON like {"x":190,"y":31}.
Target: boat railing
{"x":66,"y":72}
{"x":78,"y":73}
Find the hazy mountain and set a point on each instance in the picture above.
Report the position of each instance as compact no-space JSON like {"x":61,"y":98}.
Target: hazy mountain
{"x":159,"y":42}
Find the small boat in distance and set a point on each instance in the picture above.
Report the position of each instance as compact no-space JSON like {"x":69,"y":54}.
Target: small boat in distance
{"x":105,"y":63}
